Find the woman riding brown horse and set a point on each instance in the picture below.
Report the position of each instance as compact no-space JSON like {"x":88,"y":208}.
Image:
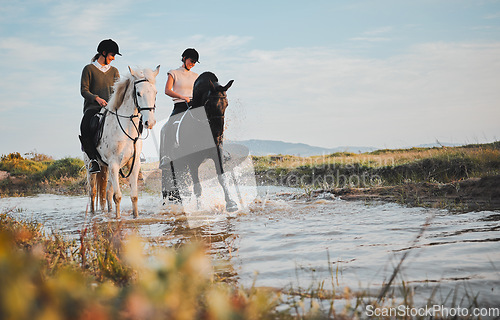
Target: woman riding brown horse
{"x":192,"y":136}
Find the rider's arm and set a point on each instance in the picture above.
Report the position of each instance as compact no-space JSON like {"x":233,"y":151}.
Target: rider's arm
{"x":85,"y":88}
{"x":85,"y":84}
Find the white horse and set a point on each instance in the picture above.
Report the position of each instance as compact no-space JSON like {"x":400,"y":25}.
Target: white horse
{"x":130,"y":108}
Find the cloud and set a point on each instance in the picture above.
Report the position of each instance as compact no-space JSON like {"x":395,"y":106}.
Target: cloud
{"x":380,"y":30}
{"x":327,"y":97}
{"x":33,"y":72}
{"x":84,"y":19}
{"x":490,"y":16}
{"x":370,"y":39}
{"x":315,"y":95}
{"x":320,"y":96}
{"x":27,"y":51}
{"x":324,"y":95}
{"x":373,"y":35}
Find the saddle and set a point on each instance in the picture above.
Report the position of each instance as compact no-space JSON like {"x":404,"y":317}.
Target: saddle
{"x":97,"y":126}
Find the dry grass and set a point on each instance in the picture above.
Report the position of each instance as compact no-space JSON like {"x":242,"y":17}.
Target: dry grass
{"x":382,"y":167}
{"x":382,"y":158}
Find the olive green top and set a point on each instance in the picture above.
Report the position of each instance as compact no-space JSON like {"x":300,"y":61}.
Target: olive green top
{"x":97,"y":83}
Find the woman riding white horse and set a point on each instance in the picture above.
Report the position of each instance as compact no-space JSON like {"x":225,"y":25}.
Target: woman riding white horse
{"x":130,"y":109}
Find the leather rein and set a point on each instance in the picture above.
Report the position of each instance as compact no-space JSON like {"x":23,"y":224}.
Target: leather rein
{"x":131,"y":117}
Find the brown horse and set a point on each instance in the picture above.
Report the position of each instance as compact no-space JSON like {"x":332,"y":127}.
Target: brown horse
{"x":191,"y":137}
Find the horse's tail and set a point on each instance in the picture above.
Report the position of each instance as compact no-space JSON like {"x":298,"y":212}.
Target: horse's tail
{"x":102,"y":180}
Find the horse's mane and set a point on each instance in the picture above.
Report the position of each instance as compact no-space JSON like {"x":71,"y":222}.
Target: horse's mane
{"x":120,"y":87}
{"x":201,"y":87}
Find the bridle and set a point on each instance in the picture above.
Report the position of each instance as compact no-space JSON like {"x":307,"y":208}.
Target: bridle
{"x":131,"y":117}
{"x":134,"y":115}
{"x":188,"y":111}
{"x":218,"y":97}
{"x":137,"y":106}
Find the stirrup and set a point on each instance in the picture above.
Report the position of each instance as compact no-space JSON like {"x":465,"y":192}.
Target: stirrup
{"x":94,"y":167}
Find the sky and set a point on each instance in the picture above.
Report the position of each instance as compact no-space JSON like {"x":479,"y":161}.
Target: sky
{"x":378,"y":73}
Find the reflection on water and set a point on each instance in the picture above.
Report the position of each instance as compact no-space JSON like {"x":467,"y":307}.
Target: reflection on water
{"x":298,"y":242}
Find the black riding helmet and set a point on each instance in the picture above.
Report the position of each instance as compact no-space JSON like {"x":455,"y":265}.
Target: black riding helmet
{"x":191,"y":54}
{"x":108,"y":46}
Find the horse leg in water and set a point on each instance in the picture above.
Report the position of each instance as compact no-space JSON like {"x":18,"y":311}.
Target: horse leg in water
{"x":105,"y":189}
{"x":109,"y":194}
{"x":92,"y":181}
{"x":231,"y":206}
{"x":170,"y":182}
{"x":134,"y":190}
{"x":114,"y":170}
{"x":102,"y":180}
{"x":194,"y":165}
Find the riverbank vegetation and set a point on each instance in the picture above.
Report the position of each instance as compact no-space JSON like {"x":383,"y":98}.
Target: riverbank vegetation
{"x":38,"y":173}
{"x":382,"y":167}
{"x":465,"y":177}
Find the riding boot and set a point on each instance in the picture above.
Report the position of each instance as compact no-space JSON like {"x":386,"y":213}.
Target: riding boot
{"x":94,"y":166}
{"x":89,"y":149}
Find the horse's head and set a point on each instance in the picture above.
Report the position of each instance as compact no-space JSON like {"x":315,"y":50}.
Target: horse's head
{"x":216,"y":101}
{"x":209,"y":93}
{"x":145,"y":94}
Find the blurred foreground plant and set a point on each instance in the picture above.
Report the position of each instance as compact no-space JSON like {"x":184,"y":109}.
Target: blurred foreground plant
{"x":172,"y":284}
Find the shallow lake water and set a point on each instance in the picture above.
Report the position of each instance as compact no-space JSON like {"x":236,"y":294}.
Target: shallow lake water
{"x":284,"y":241}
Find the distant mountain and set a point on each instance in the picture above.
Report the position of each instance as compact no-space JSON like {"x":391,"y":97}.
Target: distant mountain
{"x":271,"y":147}
{"x":439,"y":144}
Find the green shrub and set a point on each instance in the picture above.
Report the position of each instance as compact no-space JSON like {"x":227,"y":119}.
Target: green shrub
{"x":16,"y":164}
{"x":67,"y":167}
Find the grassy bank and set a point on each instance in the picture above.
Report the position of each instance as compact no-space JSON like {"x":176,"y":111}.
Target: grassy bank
{"x":381,"y":167}
{"x":36,"y":173}
{"x":466,"y":177}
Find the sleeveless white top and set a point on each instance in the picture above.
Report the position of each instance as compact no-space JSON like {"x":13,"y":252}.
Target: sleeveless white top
{"x":183,"y":82}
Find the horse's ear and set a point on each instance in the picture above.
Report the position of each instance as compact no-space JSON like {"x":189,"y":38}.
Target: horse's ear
{"x":131,"y":71}
{"x":228,"y":85}
{"x":157,"y":70}
{"x":212,"y":86}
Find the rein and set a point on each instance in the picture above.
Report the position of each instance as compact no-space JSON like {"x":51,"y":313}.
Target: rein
{"x":189,"y":111}
{"x":131,"y":118}
{"x":204,"y":106}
